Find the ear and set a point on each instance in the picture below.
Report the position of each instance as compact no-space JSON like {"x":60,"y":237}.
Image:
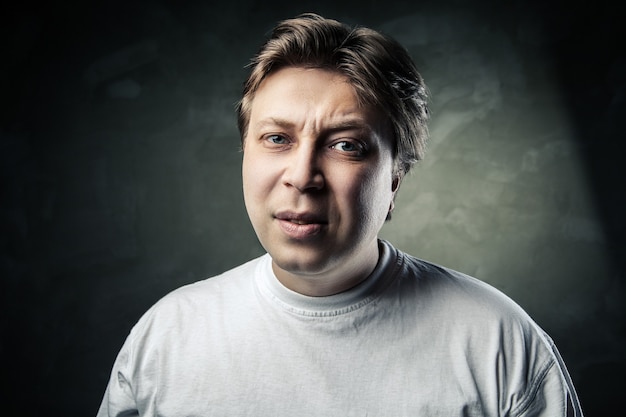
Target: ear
{"x":395,"y":183}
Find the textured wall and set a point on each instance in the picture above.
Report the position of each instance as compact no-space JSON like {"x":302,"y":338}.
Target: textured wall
{"x":121,"y":181}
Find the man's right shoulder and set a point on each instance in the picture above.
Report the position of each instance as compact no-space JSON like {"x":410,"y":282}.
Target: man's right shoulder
{"x":237,"y":278}
{"x":202,"y":298}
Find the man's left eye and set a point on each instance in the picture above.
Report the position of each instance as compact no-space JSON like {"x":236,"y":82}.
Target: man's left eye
{"x":346,"y":146}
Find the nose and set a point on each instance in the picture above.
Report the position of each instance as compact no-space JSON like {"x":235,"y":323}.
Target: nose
{"x":303,"y":171}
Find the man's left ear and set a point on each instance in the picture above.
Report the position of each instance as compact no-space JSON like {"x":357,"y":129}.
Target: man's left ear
{"x":395,"y":184}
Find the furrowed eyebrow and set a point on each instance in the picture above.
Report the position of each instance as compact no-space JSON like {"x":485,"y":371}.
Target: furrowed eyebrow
{"x":356,"y":124}
{"x":273,"y":121}
{"x":349,"y":124}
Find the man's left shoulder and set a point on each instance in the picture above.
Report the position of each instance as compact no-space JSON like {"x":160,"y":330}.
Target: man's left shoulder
{"x":458,"y":296}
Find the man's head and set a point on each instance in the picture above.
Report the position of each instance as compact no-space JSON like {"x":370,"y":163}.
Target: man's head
{"x":331,"y":120}
{"x":380,"y":70}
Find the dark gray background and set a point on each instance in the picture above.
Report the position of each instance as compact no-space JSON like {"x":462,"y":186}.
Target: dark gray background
{"x":120,"y":171}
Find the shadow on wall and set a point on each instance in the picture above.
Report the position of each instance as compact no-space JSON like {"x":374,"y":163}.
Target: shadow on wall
{"x":587,"y":44}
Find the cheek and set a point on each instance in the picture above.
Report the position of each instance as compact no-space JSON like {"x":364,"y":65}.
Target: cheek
{"x":259,"y":177}
{"x":251,"y":171}
{"x":250,"y":179}
{"x":370,"y":194}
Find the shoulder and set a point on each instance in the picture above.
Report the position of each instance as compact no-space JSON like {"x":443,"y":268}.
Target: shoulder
{"x":454,"y":293}
{"x":484,"y":331}
{"x":199,"y":302}
{"x":236,"y":279}
{"x":464,"y":310}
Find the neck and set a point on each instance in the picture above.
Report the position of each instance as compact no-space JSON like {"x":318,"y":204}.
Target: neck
{"x":341,"y":278}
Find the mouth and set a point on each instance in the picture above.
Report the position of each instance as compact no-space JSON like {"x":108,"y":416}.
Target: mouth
{"x":300,"y":218}
{"x":300,"y":226}
{"x":296,"y":221}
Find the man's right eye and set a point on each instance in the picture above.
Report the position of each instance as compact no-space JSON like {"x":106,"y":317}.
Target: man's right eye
{"x":276,"y":139}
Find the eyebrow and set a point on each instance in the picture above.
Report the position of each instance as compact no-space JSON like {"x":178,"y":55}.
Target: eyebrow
{"x":273,"y":121}
{"x":356,"y":123}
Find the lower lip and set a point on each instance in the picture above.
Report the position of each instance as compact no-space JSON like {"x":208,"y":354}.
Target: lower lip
{"x":299,"y":231}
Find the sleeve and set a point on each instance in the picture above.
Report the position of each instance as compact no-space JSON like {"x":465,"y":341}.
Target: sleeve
{"x":554,"y":395}
{"x":119,"y":399}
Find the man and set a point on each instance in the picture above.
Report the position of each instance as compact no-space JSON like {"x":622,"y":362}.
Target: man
{"x":333,"y":321}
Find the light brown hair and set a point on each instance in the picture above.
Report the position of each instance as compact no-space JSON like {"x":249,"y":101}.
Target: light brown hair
{"x":379,"y":68}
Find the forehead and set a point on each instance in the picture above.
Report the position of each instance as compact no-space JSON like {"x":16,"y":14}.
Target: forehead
{"x":314,"y":94}
{"x":303,"y":82}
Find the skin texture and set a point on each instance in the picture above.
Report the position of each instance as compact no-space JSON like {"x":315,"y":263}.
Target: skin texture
{"x":318,"y":179}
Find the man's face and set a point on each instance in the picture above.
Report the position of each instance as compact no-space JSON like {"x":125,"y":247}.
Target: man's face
{"x":317,"y":179}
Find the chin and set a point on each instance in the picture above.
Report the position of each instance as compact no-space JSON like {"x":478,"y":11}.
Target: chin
{"x":298,"y":262}
{"x":301,"y":266}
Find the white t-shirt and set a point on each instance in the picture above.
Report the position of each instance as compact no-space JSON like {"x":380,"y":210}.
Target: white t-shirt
{"x":414,"y":339}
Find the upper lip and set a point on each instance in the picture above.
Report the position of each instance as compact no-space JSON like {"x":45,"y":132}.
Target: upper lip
{"x":299,"y":217}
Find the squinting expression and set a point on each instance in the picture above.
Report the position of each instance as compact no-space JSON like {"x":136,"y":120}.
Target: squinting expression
{"x":317,"y":179}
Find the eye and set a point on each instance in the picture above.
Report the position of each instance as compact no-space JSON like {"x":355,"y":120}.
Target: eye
{"x":349,"y":147}
{"x":275,"y":139}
